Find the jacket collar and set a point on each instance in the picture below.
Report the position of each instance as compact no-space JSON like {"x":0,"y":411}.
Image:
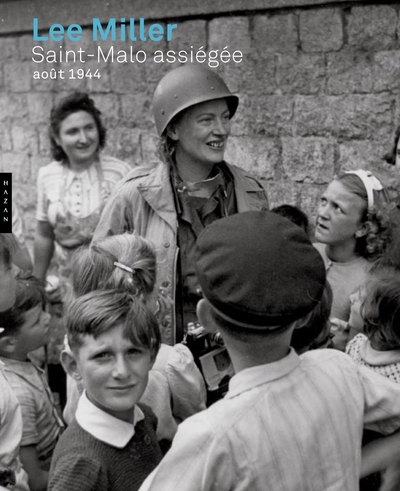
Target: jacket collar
{"x":156,"y":189}
{"x":245,"y":188}
{"x":103,"y":426}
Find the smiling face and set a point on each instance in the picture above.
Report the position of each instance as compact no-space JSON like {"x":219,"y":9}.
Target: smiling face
{"x":339,"y":216}
{"x":34,"y":332}
{"x":79,"y":138}
{"x":115,"y":372}
{"x":201,"y":133}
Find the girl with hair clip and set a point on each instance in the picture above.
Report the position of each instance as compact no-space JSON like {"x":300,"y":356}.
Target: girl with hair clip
{"x":351,"y":233}
{"x":176,"y":388}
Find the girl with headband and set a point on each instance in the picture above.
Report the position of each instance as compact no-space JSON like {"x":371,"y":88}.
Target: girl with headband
{"x":127,"y":262}
{"x":350,"y":234}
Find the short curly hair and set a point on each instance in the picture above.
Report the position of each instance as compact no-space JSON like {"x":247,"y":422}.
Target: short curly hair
{"x":72,"y":103}
{"x":390,"y":157}
{"x":375,"y":220}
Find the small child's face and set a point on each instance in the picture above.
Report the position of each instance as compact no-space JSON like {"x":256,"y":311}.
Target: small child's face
{"x":34,"y":332}
{"x":114,"y":371}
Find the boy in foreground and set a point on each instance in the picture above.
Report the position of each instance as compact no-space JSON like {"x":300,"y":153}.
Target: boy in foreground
{"x":111,"y":445}
{"x":287,"y":423}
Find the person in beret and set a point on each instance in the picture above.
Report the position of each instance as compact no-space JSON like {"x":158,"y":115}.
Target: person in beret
{"x":287,"y":423}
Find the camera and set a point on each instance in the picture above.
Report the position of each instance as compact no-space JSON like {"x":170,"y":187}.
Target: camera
{"x":212,"y":358}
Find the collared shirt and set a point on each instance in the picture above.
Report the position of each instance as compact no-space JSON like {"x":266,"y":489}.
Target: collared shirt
{"x":104,"y":426}
{"x":41,"y":424}
{"x":80,"y":193}
{"x":387,"y":363}
{"x":292,"y":425}
{"x":174,"y":392}
{"x":195,"y":211}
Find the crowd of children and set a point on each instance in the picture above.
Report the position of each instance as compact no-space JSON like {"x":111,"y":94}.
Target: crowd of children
{"x":136,"y":418}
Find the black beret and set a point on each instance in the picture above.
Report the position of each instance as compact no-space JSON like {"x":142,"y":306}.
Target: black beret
{"x":259,"y":270}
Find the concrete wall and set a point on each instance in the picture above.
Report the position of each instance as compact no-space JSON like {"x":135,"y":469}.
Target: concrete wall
{"x":319,"y":86}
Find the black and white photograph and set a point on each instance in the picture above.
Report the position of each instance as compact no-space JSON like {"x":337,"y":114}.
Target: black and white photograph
{"x":199,"y":245}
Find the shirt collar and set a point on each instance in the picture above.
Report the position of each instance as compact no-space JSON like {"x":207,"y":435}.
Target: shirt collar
{"x":378,"y":358}
{"x":252,"y":377}
{"x":87,"y":177}
{"x":104,"y":426}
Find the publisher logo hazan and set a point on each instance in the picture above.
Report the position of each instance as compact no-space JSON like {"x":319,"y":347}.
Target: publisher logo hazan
{"x":6,"y":198}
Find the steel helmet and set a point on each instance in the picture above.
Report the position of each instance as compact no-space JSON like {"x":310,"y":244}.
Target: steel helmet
{"x":184,"y":87}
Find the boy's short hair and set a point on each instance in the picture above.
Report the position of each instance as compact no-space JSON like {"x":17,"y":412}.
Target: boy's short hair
{"x":294,"y":214}
{"x":258,"y":270}
{"x":305,"y":336}
{"x":97,"y":312}
{"x":380,"y":309}
{"x":30,"y":292}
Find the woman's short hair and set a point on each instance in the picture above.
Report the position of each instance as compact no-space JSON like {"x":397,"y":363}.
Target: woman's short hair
{"x":93,"y":266}
{"x":72,"y":103}
{"x":372,"y":244}
{"x":380,"y":309}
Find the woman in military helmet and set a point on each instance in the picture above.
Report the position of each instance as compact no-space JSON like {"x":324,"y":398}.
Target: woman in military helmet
{"x":170,"y":203}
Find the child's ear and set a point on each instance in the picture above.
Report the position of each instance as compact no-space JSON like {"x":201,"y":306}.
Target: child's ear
{"x":70,"y":365}
{"x":203,"y":311}
{"x":362,"y":231}
{"x":8,"y":343}
{"x":303,"y":321}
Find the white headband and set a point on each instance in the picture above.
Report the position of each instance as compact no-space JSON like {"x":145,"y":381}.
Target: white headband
{"x":371,"y":183}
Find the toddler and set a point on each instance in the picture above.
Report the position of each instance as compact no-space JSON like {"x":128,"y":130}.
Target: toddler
{"x":11,"y":471}
{"x":379,"y":347}
{"x":26,"y":330}
{"x":111,"y":445}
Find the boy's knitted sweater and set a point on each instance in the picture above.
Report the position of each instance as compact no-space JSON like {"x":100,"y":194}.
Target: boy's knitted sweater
{"x":81,"y":462}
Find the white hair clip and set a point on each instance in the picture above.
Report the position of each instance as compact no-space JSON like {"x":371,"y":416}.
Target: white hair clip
{"x":125,"y":268}
{"x":371,"y":183}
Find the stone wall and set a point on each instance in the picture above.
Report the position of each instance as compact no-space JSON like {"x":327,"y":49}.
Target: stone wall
{"x":319,"y":89}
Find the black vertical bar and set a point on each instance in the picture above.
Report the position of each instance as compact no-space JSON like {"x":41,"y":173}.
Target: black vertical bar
{"x":6,"y":202}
